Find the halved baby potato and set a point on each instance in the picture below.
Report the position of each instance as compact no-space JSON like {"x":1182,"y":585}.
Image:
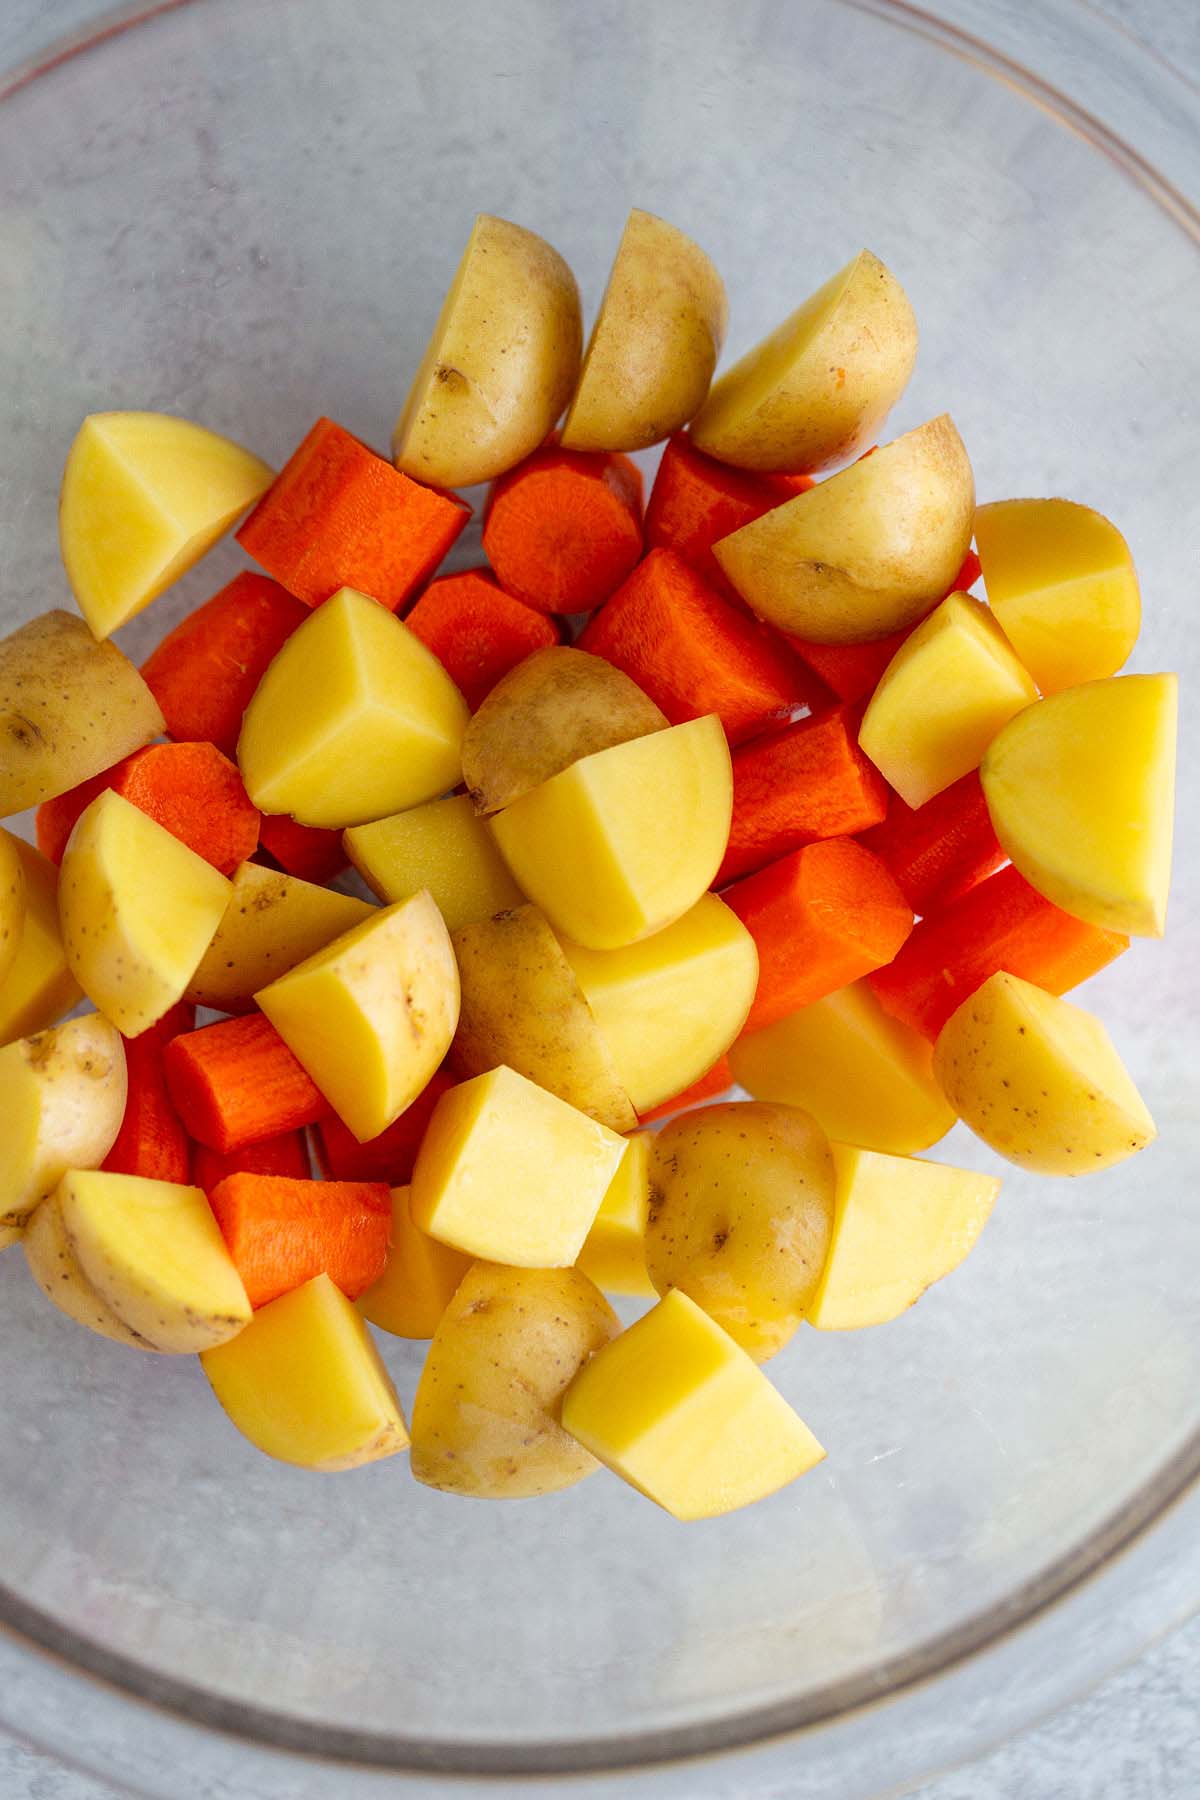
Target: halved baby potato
{"x":443,"y":846}
{"x":62,"y":1099}
{"x":272,"y":922}
{"x":39,"y":987}
{"x":52,"y":1262}
{"x":12,"y":903}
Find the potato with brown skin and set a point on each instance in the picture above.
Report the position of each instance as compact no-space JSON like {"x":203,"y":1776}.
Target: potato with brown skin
{"x":55,"y":1267}
{"x":741,"y":1216}
{"x":555,"y":707}
{"x":272,"y":922}
{"x":69,"y":708}
{"x":485,"y":1420}
{"x":12,"y":902}
{"x":62,"y":1099}
{"x":522,"y":1005}
{"x":655,"y":342}
{"x":866,"y":552}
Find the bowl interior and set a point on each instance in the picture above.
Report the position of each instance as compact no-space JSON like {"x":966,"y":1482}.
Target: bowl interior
{"x":247,"y":214}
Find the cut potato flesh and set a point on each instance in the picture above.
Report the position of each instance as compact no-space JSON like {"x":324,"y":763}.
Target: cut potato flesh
{"x":900,"y":1224}
{"x":418,"y":1281}
{"x":305,"y":1384}
{"x":144,"y":495}
{"x":443,"y":846}
{"x":676,"y":1409}
{"x":39,"y":987}
{"x":1081,"y":790}
{"x":1038,"y":1079}
{"x":12,"y":903}
{"x":62,"y":1099}
{"x":271,"y":922}
{"x":55,"y":1267}
{"x":615,"y":1252}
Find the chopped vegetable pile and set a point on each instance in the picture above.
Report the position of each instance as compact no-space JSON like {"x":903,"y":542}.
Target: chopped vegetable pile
{"x":790,"y":808}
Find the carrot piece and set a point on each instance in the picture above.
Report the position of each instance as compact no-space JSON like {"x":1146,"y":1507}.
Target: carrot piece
{"x":337,"y":516}
{"x":308,"y":851}
{"x":564,"y":528}
{"x":719,"y":1078}
{"x":191,"y":790}
{"x":236,"y":1082}
{"x":853,"y":671}
{"x":204,"y":673}
{"x":1003,"y":923}
{"x":390,"y":1156}
{"x":821,"y":918}
{"x":795,"y":786}
{"x":693,"y":652}
{"x":695,"y":500}
{"x":939,"y":850}
{"x":286,"y":1154}
{"x":152,"y":1141}
{"x":477,"y":631}
{"x":282,"y":1233}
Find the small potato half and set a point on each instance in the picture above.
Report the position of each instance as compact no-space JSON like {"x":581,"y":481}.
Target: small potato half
{"x":62,"y":1099}
{"x":655,"y":342}
{"x":500,"y":365}
{"x":866,"y":552}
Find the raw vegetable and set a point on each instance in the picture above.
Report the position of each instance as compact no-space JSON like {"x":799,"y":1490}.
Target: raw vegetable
{"x":281,"y":1232}
{"x":937,"y":851}
{"x":443,"y":846}
{"x":270,"y":923}
{"x":39,"y":987}
{"x":477,"y":631}
{"x":12,"y":903}
{"x":419,"y":1278}
{"x":562,"y":530}
{"x":696,"y":500}
{"x":306,"y":851}
{"x":236,"y":1082}
{"x":713,"y":1083}
{"x":152,"y":1140}
{"x":62,"y":1094}
{"x":614,"y":1255}
{"x":388,"y":1157}
{"x":286,"y":1154}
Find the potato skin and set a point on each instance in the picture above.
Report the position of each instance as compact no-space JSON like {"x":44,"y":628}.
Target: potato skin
{"x":655,"y":342}
{"x":69,"y":708}
{"x":522,"y":1005}
{"x":12,"y":902}
{"x":501,"y":362}
{"x":558,"y":705}
{"x":741,"y":1216}
{"x":55,"y":1267}
{"x":485,"y":1420}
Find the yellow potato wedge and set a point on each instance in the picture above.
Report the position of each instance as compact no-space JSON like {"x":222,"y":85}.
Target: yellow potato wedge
{"x":271,"y":922}
{"x":1038,"y":1079}
{"x":614,"y":1255}
{"x":12,"y":903}
{"x":418,"y":1281}
{"x":443,"y":846}
{"x":39,"y":987}
{"x":62,"y":1099}
{"x":55,"y":1267}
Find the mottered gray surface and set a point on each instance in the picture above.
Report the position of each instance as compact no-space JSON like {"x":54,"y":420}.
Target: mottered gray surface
{"x":1138,"y":1736}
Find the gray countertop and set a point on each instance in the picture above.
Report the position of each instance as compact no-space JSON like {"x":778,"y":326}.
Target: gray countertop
{"x":1138,"y":1736}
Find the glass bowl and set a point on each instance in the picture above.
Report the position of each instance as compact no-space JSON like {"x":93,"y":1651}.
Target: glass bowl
{"x":246,"y":213}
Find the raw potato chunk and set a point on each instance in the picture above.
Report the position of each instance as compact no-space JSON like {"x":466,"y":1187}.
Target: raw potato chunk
{"x":371,"y":1016}
{"x":1081,"y":790}
{"x":614,"y":1255}
{"x":866,"y":1078}
{"x":817,"y":390}
{"x":622,"y":843}
{"x":62,"y":1099}
{"x":138,"y":911}
{"x":900,"y":1225}
{"x":670,"y":1006}
{"x":443,"y":846}
{"x":500,"y":365}
{"x":354,"y":719}
{"x":305,"y":1384}
{"x":680,"y":1412}
{"x":1063,"y":587}
{"x":741,"y":1210}
{"x":866,"y":552}
{"x":155,"y":1255}
{"x":486,"y":1415}
{"x":556,"y":706}
{"x":522,"y":1005}
{"x":55,"y":1267}
{"x":419,"y":1280}
{"x":272,"y":922}
{"x":1039,"y":1081}
{"x":69,"y":709}
{"x":509,"y":1172}
{"x":951,"y":686}
{"x":12,"y":903}
{"x":39,"y":987}
{"x":655,"y":342}
{"x":144,"y":495}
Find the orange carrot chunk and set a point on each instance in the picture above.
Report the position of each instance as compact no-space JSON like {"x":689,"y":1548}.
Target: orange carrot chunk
{"x":236,"y":1082}
{"x":821,"y":918}
{"x":695,"y":500}
{"x":390,"y":1156}
{"x":798,"y":785}
{"x":693,"y":652}
{"x":282,"y":1233}
{"x":1003,"y":923}
{"x":204,"y":673}
{"x":564,"y":528}
{"x":477,"y":631}
{"x":308,"y":851}
{"x":853,"y":671}
{"x":937,"y":851}
{"x":152,"y":1141}
{"x":718,"y":1080}
{"x":337,"y":516}
{"x":286,"y":1154}
{"x":191,"y":790}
